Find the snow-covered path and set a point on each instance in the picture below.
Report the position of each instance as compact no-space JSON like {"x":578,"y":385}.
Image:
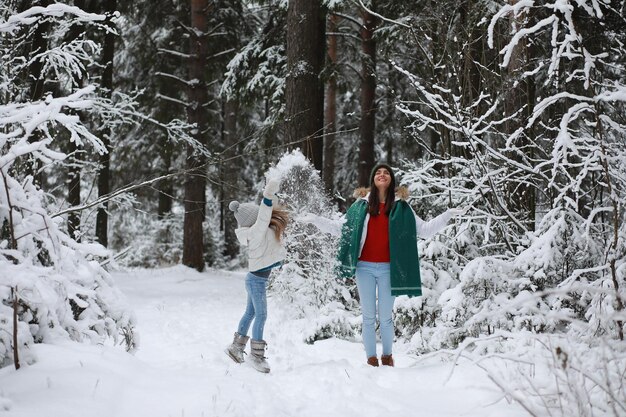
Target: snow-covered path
{"x":185,"y":319}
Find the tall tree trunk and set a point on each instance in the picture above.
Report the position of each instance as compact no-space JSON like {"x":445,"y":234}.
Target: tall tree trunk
{"x":230,"y":176}
{"x":390,"y":116}
{"x":368,"y":97}
{"x":304,"y":90}
{"x":521,"y":193}
{"x":195,"y":181}
{"x":165,"y":187}
{"x":104,"y":171}
{"x":470,"y":76}
{"x":73,"y":192}
{"x":37,"y":84}
{"x":330,"y":113}
{"x":39,"y":45}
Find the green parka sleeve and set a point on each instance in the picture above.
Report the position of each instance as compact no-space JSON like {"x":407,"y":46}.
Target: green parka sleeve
{"x":350,"y":242}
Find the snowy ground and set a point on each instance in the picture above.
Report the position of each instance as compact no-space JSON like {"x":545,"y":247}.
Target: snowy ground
{"x":185,"y":319}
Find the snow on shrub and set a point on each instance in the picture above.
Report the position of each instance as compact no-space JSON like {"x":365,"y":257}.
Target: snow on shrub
{"x":53,"y":283}
{"x":557,"y":374}
{"x":307,"y":281}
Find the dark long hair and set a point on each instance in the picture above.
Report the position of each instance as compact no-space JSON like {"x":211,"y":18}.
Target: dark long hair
{"x":373,"y":202}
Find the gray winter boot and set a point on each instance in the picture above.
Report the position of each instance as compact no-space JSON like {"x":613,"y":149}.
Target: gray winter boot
{"x":235,"y":350}
{"x":257,"y":353}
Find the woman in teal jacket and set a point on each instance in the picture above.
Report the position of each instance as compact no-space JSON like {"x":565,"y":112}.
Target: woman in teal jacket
{"x":379,"y":245}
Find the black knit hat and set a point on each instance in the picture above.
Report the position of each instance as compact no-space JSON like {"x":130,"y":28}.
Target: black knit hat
{"x":388,"y":168}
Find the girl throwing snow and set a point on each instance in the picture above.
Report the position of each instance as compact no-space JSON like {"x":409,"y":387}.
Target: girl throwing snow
{"x":379,"y":245}
{"x":260,"y":229}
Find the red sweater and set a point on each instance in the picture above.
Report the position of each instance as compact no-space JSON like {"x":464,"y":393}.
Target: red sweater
{"x":376,"y":247}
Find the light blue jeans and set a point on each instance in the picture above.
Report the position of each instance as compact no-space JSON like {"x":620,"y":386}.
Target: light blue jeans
{"x":369,"y":277}
{"x":256,"y":307}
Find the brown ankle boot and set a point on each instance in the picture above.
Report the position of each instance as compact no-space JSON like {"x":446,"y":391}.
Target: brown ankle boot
{"x":372,"y":360}
{"x":387,"y":360}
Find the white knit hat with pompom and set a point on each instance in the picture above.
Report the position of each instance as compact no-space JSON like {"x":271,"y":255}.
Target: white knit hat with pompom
{"x":245,"y":213}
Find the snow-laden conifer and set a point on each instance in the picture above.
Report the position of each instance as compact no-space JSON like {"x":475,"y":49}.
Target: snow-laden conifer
{"x":54,"y":284}
{"x":307,"y":280}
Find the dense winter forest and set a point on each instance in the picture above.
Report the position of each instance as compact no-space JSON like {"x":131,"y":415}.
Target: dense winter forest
{"x":126,"y":128}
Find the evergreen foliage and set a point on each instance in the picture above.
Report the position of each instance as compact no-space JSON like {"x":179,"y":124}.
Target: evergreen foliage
{"x":307,"y":280}
{"x":54,"y":284}
{"x":514,"y":109}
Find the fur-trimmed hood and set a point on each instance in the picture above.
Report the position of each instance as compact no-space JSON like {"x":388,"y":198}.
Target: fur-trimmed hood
{"x":402,"y":193}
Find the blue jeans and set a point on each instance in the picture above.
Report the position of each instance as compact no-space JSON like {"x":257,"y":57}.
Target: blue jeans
{"x":256,"y":307}
{"x":369,"y":276}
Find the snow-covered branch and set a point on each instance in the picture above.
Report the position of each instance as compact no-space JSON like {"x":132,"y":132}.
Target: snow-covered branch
{"x":30,"y":16}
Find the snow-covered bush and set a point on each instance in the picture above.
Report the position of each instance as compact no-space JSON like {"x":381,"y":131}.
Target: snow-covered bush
{"x":57,"y":283}
{"x":559,"y":375}
{"x":143,"y":240}
{"x":541,"y":255}
{"x":307,"y":281}
{"x":528,"y":292}
{"x":442,"y":257}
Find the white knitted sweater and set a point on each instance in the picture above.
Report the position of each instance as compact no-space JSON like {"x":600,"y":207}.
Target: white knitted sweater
{"x":263,"y":248}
